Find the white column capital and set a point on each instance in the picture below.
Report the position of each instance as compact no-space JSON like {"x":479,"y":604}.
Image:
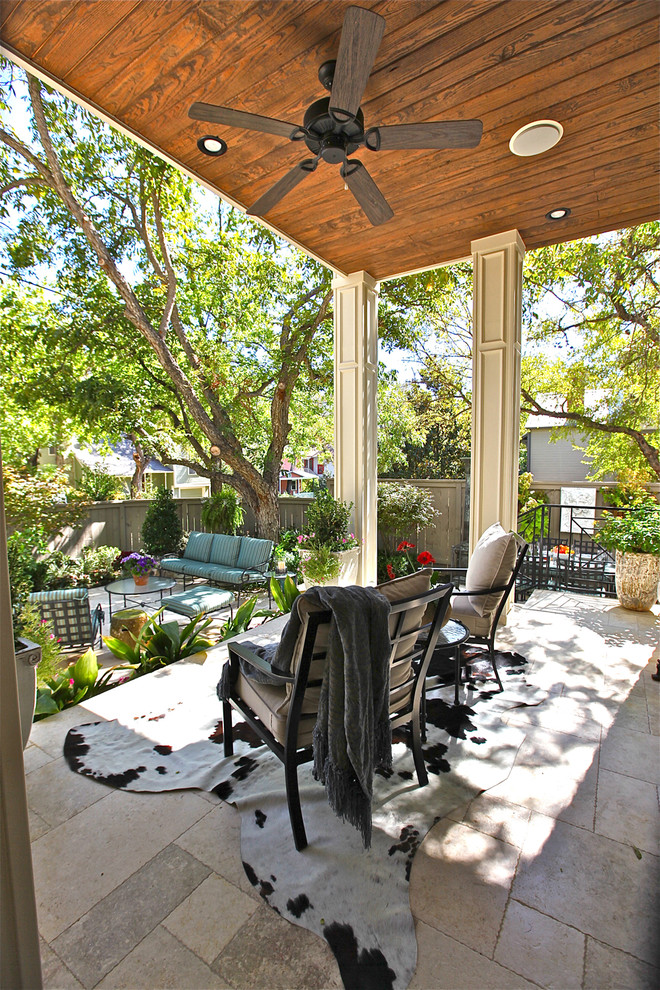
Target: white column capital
{"x":497,"y":242}
{"x":355,"y":279}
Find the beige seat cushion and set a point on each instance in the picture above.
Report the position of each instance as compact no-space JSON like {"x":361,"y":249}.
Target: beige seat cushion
{"x":490,"y":566}
{"x":463,"y":611}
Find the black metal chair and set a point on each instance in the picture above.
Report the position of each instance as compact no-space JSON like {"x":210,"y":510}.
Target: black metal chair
{"x":479,"y":607}
{"x":283,"y":713}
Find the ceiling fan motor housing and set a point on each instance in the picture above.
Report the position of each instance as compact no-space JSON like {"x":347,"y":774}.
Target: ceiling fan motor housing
{"x":329,"y":138}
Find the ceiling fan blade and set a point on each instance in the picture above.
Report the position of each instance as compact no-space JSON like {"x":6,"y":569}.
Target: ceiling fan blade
{"x":431,"y":134}
{"x":283,"y":186}
{"x":366,"y":192}
{"x":239,"y":118}
{"x":360,"y":39}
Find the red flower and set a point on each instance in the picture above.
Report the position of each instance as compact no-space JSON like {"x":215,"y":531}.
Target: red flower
{"x":404,"y":545}
{"x":390,"y":572}
{"x":425,"y":558}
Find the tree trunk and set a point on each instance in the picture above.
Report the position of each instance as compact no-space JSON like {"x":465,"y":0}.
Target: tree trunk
{"x":267,"y":516}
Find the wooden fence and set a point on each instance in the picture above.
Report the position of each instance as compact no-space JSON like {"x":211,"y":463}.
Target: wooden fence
{"x":119,"y":524}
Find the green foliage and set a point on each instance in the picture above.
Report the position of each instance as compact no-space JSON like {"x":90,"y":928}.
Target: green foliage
{"x":222,"y":512}
{"x":593,"y":358}
{"x":533,"y":522}
{"x":159,"y":644}
{"x":402,"y":510}
{"x":100,"y":486}
{"x":41,"y":501}
{"x":161,"y":531}
{"x":628,"y":496}
{"x":286,"y":548}
{"x":327,"y":523}
{"x":284,"y":593}
{"x":243,"y":616}
{"x":635,"y":531}
{"x":65,"y":688}
{"x":321,"y":566}
{"x":30,"y":625}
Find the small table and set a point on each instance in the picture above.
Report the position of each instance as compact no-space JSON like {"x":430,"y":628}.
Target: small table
{"x":131,"y":592}
{"x":452,"y":636}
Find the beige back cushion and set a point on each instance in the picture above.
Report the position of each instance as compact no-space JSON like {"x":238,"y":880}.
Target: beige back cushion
{"x":407,"y":587}
{"x":490,"y":566}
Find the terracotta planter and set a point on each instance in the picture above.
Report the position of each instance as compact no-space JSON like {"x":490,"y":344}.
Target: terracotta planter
{"x":141,"y":580}
{"x":348,"y":569}
{"x":637,"y":576}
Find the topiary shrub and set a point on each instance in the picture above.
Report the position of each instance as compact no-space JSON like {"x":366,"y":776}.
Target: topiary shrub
{"x":161,"y":531}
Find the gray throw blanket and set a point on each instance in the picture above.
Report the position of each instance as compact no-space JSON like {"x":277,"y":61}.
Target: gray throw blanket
{"x":352,"y":736}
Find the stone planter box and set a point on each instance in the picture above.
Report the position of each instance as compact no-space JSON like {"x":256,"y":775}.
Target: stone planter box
{"x":637,"y":576}
{"x":28,"y":655}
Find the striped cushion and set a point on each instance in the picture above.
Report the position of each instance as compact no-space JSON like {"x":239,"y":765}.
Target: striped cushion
{"x":199,"y":546}
{"x":61,"y":595}
{"x":225,"y":550}
{"x":254,"y":553}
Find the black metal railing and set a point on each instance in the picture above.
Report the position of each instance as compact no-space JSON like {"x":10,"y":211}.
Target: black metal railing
{"x":564,"y":552}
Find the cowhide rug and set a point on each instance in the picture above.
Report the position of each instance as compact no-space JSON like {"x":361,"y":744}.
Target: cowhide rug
{"x":357,"y":900}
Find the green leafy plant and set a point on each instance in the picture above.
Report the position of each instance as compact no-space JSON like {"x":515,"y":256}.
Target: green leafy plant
{"x":533,"y":521}
{"x":403,"y":509}
{"x":100,"y":486}
{"x":161,"y":529}
{"x":628,"y":496}
{"x":327,"y":523}
{"x":222,"y":512}
{"x":635,"y":531}
{"x":243,"y":616}
{"x":68,"y":687}
{"x":284,"y":593}
{"x":158,"y":645}
{"x":321,"y":566}
{"x":31,"y":626}
{"x":286,"y":549}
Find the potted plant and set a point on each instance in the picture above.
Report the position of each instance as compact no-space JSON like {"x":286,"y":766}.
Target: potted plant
{"x":222,"y":512}
{"x":635,"y":536}
{"x":140,"y":566}
{"x":328,"y":552}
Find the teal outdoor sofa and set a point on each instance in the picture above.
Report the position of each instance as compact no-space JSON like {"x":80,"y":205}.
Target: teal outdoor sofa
{"x":231,"y":561}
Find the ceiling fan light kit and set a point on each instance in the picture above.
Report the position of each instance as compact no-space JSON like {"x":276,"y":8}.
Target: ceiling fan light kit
{"x":333,"y":127}
{"x":536,"y":138}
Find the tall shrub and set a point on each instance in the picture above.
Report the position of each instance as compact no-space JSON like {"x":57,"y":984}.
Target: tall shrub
{"x":402,"y":510}
{"x":161,"y":530}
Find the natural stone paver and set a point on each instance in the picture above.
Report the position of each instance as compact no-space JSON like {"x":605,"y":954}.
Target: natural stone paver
{"x":536,"y":883}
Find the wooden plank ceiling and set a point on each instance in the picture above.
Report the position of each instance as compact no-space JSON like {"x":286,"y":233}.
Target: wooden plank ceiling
{"x":590,"y":64}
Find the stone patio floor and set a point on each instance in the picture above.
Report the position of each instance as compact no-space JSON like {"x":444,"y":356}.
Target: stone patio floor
{"x":549,"y":879}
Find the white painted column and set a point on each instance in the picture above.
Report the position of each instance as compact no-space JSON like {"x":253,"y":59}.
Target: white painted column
{"x":356,"y":420}
{"x":497,"y":316}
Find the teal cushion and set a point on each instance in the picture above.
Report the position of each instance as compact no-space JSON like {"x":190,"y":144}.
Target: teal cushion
{"x":177,"y":565}
{"x":200,"y":598}
{"x":225,"y":550}
{"x":61,"y":595}
{"x":216,"y":572}
{"x":254,"y":553}
{"x":198,"y":547}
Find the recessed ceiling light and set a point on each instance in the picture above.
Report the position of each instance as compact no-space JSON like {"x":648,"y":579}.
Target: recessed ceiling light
{"x":559,"y":214}
{"x":212,"y":145}
{"x":535,"y":138}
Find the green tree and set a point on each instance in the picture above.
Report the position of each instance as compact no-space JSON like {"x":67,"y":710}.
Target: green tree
{"x":603,"y":378}
{"x":161,"y":530}
{"x":193,"y":330}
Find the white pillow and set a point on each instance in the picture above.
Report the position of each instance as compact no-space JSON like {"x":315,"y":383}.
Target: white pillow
{"x":490,"y":566}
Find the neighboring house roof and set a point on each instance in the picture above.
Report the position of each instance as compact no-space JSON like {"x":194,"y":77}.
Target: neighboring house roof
{"x":118,"y":460}
{"x":289,"y":470}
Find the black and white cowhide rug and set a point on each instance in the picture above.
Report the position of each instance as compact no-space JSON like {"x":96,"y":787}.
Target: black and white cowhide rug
{"x":357,"y":900}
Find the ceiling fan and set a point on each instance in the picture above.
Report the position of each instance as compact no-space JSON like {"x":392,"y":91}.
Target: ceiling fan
{"x":333,"y":127}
